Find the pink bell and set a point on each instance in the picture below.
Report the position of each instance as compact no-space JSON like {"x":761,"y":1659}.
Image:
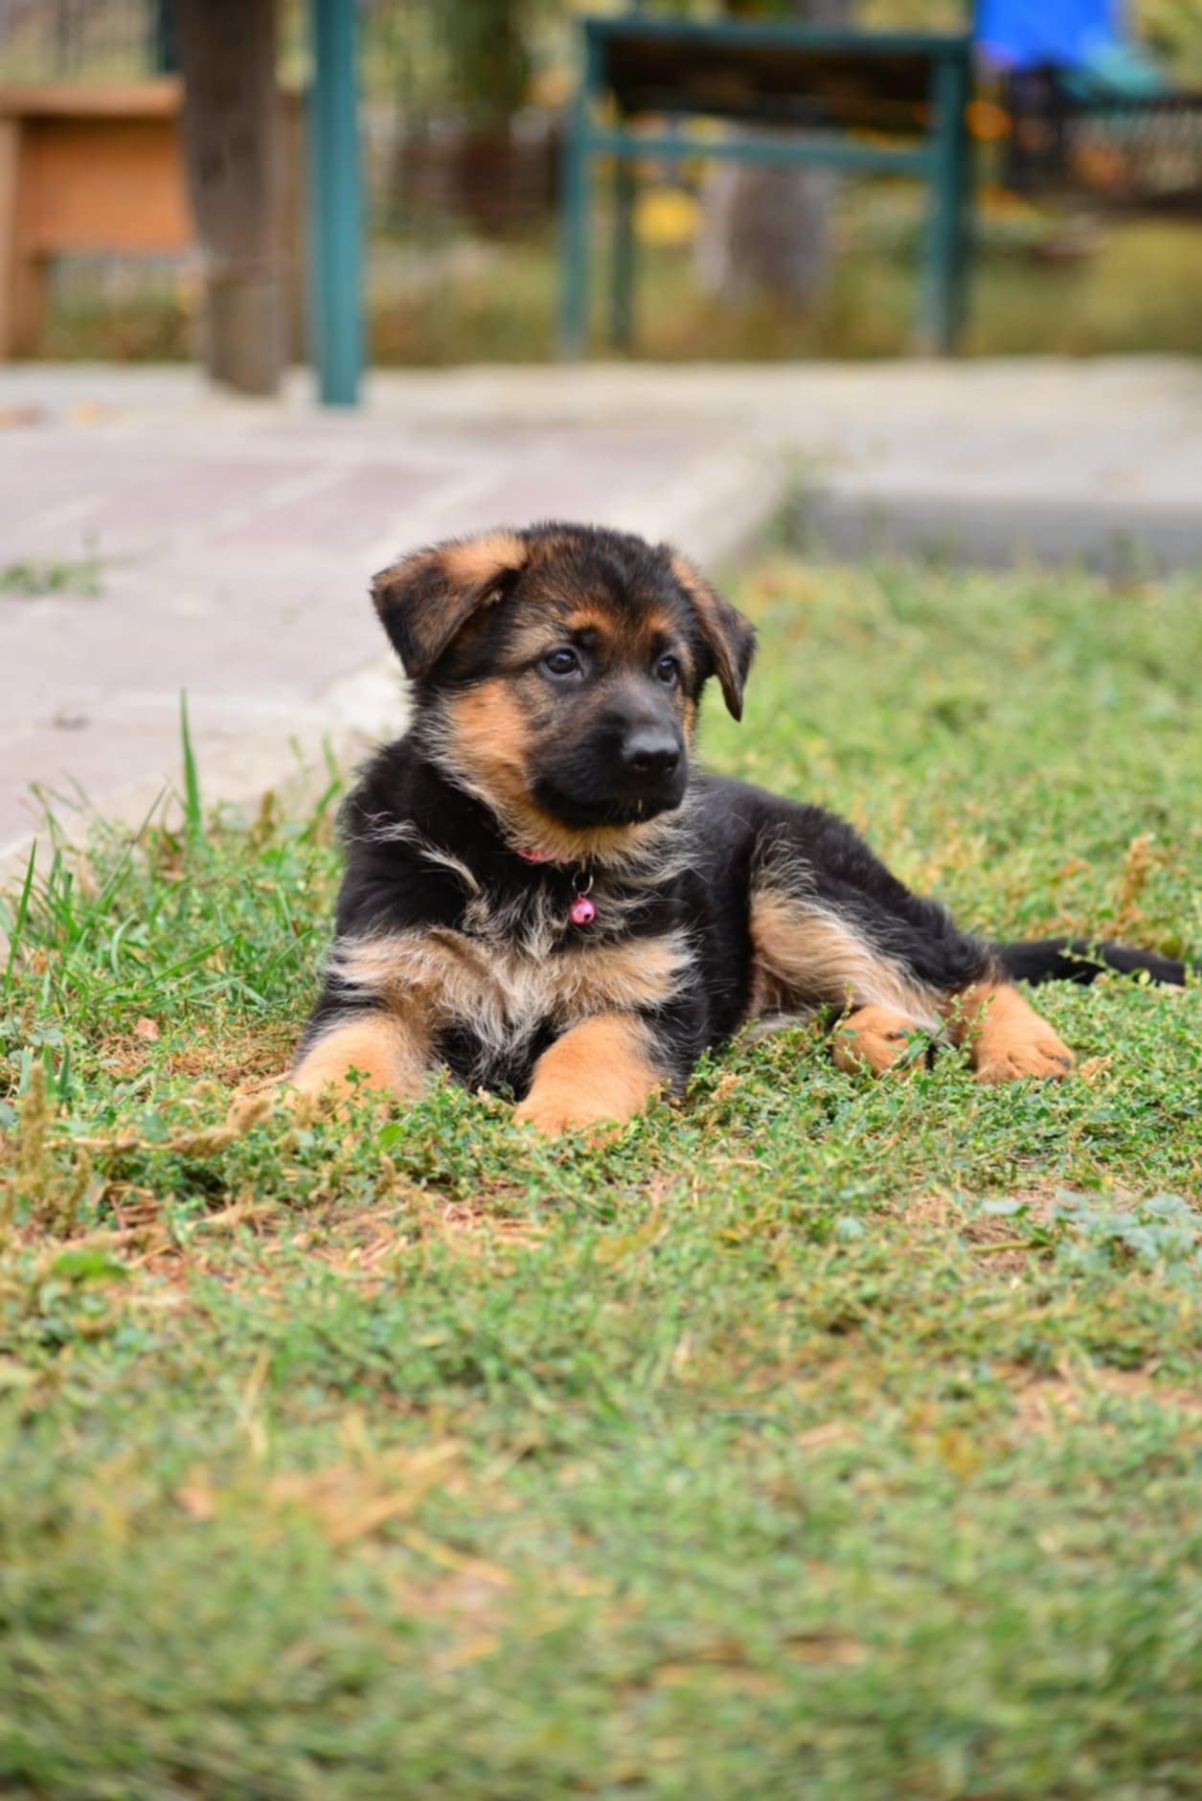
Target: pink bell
{"x":582,"y":911}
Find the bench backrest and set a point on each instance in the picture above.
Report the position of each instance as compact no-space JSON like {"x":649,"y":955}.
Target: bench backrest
{"x":768,"y":73}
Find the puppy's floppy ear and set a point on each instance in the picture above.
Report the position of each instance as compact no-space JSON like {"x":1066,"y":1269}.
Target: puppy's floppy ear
{"x":730,"y":637}
{"x":427,"y":598}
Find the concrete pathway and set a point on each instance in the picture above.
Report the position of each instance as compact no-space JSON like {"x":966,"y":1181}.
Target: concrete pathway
{"x":234,"y":540}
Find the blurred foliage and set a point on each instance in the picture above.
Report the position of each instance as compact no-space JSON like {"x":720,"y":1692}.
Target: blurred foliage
{"x":922,"y":15}
{"x":475,"y":54}
{"x":1172,"y":30}
{"x":487,"y":44}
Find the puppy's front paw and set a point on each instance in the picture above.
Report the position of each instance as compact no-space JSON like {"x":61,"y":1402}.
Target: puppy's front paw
{"x":876,"y":1039}
{"x":554,"y":1114}
{"x":1010,"y":1060}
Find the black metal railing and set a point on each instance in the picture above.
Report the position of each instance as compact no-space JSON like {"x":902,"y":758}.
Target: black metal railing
{"x":1125,"y":152}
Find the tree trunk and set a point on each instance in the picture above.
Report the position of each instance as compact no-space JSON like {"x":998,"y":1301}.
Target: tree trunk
{"x":233,"y":154}
{"x":767,"y":230}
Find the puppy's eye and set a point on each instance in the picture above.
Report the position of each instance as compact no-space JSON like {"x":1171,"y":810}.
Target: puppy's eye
{"x":667,"y":670}
{"x":561,"y":662}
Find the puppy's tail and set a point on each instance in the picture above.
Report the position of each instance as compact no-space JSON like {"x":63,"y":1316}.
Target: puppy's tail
{"x":1083,"y":959}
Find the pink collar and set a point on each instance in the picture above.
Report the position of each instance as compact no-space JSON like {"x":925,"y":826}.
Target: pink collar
{"x":583,"y":909}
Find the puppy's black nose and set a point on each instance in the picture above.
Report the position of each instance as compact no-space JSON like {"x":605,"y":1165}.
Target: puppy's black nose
{"x":651,"y":753}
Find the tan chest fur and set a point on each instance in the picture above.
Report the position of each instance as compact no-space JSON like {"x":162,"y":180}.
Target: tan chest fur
{"x":504,"y":993}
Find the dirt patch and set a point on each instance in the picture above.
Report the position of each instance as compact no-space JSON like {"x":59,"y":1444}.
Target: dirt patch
{"x":228,"y":1058}
{"x":1045,"y":1404}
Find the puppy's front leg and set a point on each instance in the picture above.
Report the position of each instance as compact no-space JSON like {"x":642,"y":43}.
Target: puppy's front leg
{"x":386,"y":1048}
{"x":600,"y":1072}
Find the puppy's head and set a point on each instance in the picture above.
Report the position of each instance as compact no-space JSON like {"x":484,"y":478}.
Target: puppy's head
{"x":558,"y":671}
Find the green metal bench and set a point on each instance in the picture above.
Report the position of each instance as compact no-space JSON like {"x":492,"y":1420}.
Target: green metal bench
{"x":893,"y":102}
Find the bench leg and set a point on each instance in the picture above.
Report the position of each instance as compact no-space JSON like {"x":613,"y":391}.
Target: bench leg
{"x":574,"y":240}
{"x":943,"y":286}
{"x":621,"y":310}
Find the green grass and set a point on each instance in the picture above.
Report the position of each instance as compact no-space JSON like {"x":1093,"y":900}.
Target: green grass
{"x":814,"y":1438}
{"x":38,"y":580}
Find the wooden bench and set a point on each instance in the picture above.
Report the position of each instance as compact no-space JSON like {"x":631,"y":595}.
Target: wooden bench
{"x":83,"y":167}
{"x":892,"y":102}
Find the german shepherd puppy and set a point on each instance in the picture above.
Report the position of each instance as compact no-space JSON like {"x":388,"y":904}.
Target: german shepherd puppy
{"x":542,"y":897}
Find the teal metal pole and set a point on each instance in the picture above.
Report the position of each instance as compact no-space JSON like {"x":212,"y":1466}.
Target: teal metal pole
{"x":621,"y":314}
{"x":336,"y":205}
{"x":164,"y":50}
{"x":574,"y":209}
{"x":944,"y":282}
{"x":574,"y":246}
{"x":966,"y":217}
{"x":818,"y":152}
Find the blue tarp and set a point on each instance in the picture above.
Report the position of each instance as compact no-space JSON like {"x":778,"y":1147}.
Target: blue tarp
{"x":1020,"y":34}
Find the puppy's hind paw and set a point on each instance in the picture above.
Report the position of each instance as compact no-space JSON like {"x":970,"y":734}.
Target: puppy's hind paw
{"x":1046,"y":1057}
